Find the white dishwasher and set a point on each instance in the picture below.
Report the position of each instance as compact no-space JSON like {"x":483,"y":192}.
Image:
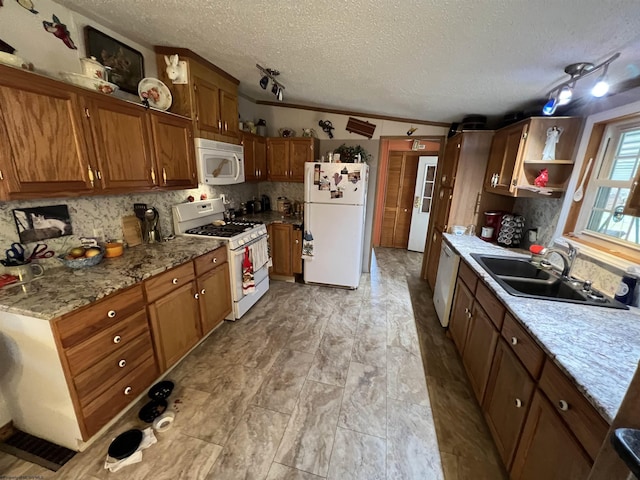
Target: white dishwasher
{"x":445,"y":282}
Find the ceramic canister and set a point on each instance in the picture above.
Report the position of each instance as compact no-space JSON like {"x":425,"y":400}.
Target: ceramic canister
{"x":92,"y":68}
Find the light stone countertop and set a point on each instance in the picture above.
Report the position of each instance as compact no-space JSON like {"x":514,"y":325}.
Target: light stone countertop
{"x":62,"y":290}
{"x":597,"y":347}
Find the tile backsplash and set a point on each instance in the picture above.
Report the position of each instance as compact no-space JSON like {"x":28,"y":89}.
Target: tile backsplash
{"x":106,"y":212}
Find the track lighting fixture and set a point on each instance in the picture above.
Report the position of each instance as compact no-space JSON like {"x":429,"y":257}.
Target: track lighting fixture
{"x":270,"y":74}
{"x":562,"y":94}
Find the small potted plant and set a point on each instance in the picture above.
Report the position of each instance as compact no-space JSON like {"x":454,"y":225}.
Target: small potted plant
{"x":352,"y":154}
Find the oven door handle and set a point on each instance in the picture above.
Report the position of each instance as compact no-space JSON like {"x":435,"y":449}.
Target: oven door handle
{"x":240,"y":250}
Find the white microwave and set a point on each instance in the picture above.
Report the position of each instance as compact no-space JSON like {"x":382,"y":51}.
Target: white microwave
{"x":219,"y":163}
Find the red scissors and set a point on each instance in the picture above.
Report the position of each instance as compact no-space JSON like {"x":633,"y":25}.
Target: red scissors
{"x":41,"y":250}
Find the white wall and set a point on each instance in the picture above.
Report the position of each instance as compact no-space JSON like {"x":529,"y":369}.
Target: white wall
{"x":23,"y":30}
{"x":5,"y":416}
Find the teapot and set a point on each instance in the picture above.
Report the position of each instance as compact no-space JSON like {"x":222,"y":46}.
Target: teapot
{"x":93,"y":69}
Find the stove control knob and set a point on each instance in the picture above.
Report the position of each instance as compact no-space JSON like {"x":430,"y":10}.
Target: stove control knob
{"x":241,"y":241}
{"x":254,"y":235}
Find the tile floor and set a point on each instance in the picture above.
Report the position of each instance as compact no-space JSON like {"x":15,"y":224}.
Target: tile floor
{"x":316,"y":383}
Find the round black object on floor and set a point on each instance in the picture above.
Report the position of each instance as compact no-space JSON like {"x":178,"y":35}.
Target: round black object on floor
{"x":125,"y":444}
{"x":161,"y":390}
{"x":152,"y":410}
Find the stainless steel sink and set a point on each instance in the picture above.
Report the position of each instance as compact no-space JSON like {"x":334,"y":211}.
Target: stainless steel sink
{"x":521,"y":278}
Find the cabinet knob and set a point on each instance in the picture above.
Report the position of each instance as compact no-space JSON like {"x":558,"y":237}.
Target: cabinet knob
{"x":514,"y":341}
{"x":117,"y":339}
{"x":196,"y":296}
{"x":215,"y":260}
{"x":202,"y":291}
{"x":297,"y":242}
{"x":128,"y":390}
{"x":405,"y":209}
{"x":518,"y":403}
{"x":563,"y":405}
{"x":122,"y":363}
{"x":174,"y":281}
{"x":111,"y":313}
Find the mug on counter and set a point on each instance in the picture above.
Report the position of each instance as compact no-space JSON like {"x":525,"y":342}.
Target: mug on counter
{"x":25,"y":272}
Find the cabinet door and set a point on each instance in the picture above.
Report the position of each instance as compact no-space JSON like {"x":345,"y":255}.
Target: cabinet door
{"x":433,"y":256}
{"x":300,"y":151}
{"x":44,"y":141}
{"x":547,"y":448}
{"x":207,"y":103}
{"x":450,"y":162}
{"x":122,"y":140}
{"x":250,"y":170}
{"x":281,"y":249}
{"x":460,"y":315}
{"x":480,"y":346}
{"x":507,"y":400}
{"x":229,"y":113}
{"x":505,"y":159}
{"x":214,"y":290}
{"x":174,"y":150}
{"x":260,"y":157}
{"x":296,"y":250}
{"x":175,"y":319}
{"x":278,"y":159}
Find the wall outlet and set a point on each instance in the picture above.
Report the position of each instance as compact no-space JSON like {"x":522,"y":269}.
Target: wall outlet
{"x":99,"y":234}
{"x":533,"y":235}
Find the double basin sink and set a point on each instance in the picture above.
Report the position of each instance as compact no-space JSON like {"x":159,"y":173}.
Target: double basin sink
{"x":521,"y":278}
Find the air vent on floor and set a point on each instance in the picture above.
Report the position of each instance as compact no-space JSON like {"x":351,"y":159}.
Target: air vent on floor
{"x":36,"y":450}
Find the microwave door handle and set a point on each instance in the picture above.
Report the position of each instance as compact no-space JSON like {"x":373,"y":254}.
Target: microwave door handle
{"x":237,"y":167}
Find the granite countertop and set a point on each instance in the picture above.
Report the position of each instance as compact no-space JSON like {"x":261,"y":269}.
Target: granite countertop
{"x":62,"y":289}
{"x":272,"y":217}
{"x":597,"y":347}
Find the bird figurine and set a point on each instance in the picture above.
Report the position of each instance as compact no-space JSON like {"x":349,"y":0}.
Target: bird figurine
{"x":60,"y":31}
{"x":27,"y":5}
{"x":542,"y":179}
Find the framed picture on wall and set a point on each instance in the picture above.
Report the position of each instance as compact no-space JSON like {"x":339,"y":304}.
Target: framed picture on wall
{"x":127,"y":64}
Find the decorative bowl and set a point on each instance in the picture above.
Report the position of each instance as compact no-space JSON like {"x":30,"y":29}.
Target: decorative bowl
{"x":13,"y":60}
{"x":89,"y":82}
{"x":82,"y":262}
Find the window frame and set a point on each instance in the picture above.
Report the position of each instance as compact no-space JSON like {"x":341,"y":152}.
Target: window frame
{"x":605,"y":249}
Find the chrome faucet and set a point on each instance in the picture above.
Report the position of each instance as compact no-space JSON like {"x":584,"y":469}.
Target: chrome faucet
{"x":567,"y":258}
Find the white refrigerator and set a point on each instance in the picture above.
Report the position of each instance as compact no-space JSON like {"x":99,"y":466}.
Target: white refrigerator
{"x":335,"y":196}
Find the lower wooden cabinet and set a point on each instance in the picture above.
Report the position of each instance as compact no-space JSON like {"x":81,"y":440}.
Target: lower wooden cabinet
{"x":214,"y":291}
{"x":480,"y":346}
{"x":296,"y":250}
{"x":285,"y":240}
{"x":507,"y":400}
{"x":460,"y":315}
{"x":175,"y":322}
{"x":547,"y":448}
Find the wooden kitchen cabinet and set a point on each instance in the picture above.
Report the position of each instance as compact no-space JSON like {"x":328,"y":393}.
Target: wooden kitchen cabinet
{"x":547,"y":449}
{"x":44,"y":149}
{"x":460,"y":315}
{"x":214,"y":291}
{"x":507,"y":400}
{"x":515,"y":159}
{"x":255,"y":157}
{"x":209,"y":98}
{"x":280,"y":236}
{"x":174,"y":151}
{"x":296,"y":249}
{"x":286,"y":158}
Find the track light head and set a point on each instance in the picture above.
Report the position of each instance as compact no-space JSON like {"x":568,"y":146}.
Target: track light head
{"x":565,"y":94}
{"x":271,"y":74}
{"x":264,"y":81}
{"x":550,"y":107}
{"x":601,"y":88}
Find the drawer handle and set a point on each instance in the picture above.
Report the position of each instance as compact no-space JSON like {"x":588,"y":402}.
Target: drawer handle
{"x":122,"y":363}
{"x":128,"y":390}
{"x":518,"y":403}
{"x":215,"y":260}
{"x":117,"y":339}
{"x":196,"y":296}
{"x":174,"y":281}
{"x":111,"y":313}
{"x":202,"y":291}
{"x":514,"y":341}
{"x":563,"y":405}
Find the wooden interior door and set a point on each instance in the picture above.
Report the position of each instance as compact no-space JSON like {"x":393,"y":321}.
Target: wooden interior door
{"x":207,"y":99}
{"x":401,"y":183}
{"x":174,"y":151}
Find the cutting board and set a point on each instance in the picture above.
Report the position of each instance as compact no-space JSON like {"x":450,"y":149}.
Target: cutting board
{"x":131,"y":230}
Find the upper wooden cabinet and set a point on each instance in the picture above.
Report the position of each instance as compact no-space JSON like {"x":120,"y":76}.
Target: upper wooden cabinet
{"x":255,"y":157}
{"x":286,"y":158}
{"x":60,"y":140}
{"x":210,"y":97}
{"x":516,"y":155}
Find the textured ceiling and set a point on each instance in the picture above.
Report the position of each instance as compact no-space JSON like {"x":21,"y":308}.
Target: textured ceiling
{"x":426,"y":59}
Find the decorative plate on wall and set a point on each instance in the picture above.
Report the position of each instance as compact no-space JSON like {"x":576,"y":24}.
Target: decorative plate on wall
{"x":155,"y":92}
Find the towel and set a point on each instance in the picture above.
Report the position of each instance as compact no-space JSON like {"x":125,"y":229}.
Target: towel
{"x":248,"y":285}
{"x":259,"y":253}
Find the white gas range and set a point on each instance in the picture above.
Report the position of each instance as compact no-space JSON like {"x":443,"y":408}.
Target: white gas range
{"x":196,"y":219}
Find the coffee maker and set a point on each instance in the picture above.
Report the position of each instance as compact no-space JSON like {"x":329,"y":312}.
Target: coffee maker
{"x":150,"y":228}
{"x":492,"y":224}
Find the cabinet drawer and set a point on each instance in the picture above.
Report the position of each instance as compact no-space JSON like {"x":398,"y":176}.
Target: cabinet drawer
{"x":210,"y":260}
{"x":99,"y":412}
{"x":585,"y":423}
{"x":97,"y":378}
{"x":468,"y":276}
{"x":490,"y":304}
{"x":527,"y":350}
{"x":114,"y":338}
{"x":159,"y":285}
{"x":82,"y":324}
